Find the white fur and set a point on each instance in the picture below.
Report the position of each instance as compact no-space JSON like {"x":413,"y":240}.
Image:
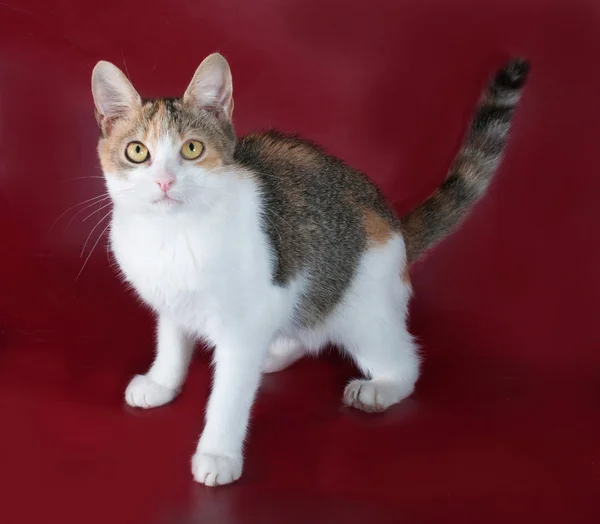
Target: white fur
{"x":283,"y":353}
{"x":205,"y":266}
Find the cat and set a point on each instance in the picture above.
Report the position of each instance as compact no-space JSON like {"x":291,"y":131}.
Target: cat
{"x":268,"y":248}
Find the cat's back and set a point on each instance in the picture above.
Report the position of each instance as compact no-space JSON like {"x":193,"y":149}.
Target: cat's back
{"x":302,"y":173}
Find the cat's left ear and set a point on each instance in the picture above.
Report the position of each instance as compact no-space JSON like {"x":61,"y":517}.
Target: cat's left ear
{"x":212,"y":87}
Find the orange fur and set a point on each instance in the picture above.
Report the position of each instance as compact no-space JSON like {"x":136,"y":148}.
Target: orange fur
{"x":111,"y":148}
{"x":377,"y":228}
{"x":157,"y":125}
{"x":210,"y":159}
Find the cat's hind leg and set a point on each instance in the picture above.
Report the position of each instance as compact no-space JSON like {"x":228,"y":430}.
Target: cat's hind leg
{"x":371,"y":326}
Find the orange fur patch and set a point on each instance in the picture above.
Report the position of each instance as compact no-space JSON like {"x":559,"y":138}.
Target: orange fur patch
{"x":157,"y":124}
{"x":210,"y":160}
{"x":377,"y":228}
{"x":109,"y":148}
{"x":106,"y":157}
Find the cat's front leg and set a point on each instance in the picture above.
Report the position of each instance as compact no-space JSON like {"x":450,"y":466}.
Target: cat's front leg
{"x":238,"y":360}
{"x":163,"y":381}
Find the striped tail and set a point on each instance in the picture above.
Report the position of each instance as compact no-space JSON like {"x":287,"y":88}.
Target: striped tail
{"x":475,"y":164}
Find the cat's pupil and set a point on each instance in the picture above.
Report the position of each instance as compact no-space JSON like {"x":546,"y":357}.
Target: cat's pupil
{"x":192,"y":147}
{"x":138,"y":149}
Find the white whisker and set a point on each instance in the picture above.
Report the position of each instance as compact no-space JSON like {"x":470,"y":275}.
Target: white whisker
{"x":100,"y":201}
{"x":73,"y":207}
{"x":94,"y":229}
{"x":96,"y":211}
{"x":92,"y":250}
{"x":207,"y":204}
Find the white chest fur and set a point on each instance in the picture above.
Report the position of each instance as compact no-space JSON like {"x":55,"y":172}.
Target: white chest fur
{"x":195,"y":267}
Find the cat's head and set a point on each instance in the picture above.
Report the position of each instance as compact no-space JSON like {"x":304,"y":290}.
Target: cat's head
{"x":165,"y":154}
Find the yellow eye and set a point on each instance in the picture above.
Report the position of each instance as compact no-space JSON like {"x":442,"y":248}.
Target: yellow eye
{"x":192,"y":149}
{"x":136,"y":152}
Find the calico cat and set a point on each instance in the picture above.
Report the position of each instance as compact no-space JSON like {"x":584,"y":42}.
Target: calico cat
{"x":268,"y":248}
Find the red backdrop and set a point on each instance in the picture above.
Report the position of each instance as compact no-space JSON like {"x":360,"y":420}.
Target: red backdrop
{"x":505,"y":423}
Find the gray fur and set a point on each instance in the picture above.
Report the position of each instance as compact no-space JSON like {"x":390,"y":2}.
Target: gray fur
{"x":474,"y":166}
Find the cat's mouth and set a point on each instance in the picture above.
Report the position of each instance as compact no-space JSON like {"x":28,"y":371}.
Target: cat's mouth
{"x":166,"y":200}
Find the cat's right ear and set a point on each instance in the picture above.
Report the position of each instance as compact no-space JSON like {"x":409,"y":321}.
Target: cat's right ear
{"x":114,"y":96}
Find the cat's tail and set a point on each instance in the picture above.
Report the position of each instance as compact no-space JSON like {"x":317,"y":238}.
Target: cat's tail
{"x":474,"y":166}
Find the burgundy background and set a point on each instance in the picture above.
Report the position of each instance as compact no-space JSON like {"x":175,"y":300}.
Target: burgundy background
{"x":505,"y":423}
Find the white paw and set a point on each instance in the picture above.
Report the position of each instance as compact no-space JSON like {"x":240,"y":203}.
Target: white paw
{"x":282,"y":354}
{"x":375,"y":395}
{"x":216,"y":470}
{"x":143,"y":392}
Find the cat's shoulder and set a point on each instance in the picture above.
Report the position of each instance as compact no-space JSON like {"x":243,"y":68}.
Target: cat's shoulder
{"x":275,"y":146}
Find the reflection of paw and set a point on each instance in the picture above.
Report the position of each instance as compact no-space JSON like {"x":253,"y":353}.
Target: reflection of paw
{"x":216,"y":470}
{"x":375,"y":395}
{"x":282,"y":354}
{"x":143,"y":392}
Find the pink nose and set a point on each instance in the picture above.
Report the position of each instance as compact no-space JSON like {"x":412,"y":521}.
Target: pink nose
{"x":165,"y":184}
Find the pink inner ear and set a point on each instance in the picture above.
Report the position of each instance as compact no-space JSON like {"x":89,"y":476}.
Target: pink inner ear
{"x":211,"y":89}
